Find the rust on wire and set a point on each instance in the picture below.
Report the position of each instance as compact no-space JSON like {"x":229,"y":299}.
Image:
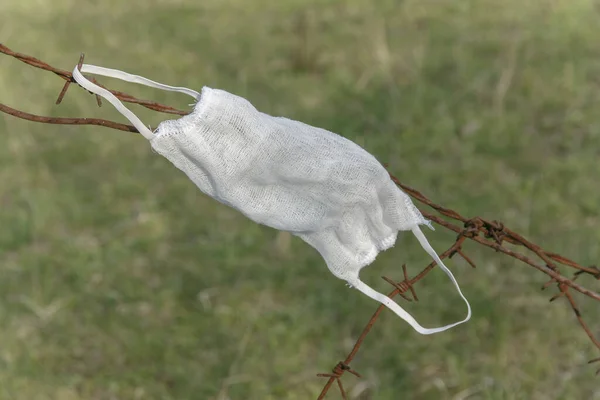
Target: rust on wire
{"x":337,"y":373}
{"x":34,"y":62}
{"x":68,"y":82}
{"x":491,"y":234}
{"x":67,"y":76}
{"x":460,"y":252}
{"x":66,"y":121}
{"x":403,"y":286}
{"x":498,"y":233}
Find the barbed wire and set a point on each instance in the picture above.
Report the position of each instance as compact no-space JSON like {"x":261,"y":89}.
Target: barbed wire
{"x":66,"y":121}
{"x":68,"y":77}
{"x":491,"y":234}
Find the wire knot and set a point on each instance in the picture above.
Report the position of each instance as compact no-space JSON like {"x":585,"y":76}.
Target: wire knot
{"x":403,"y":286}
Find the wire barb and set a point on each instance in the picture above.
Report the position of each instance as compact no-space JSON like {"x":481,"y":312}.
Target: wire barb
{"x":460,"y":252}
{"x":68,"y":82}
{"x":336,"y":375}
{"x":72,"y":80}
{"x":403,"y":286}
{"x":595,"y":360}
{"x":591,"y":270}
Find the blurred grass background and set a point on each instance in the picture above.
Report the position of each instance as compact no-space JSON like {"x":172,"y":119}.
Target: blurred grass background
{"x":120,"y":280}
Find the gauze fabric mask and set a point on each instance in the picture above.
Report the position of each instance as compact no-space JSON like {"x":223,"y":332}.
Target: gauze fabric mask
{"x":287,"y":175}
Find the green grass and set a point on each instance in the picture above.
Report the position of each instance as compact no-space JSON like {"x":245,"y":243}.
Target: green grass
{"x":120,"y":280}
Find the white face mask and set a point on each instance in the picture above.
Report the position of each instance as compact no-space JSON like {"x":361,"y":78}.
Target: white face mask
{"x":289,"y":176}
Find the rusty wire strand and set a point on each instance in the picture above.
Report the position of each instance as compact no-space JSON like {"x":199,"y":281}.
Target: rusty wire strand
{"x":405,"y":285}
{"x":472,"y":228}
{"x":67,"y":76}
{"x":66,"y":121}
{"x":491,"y":234}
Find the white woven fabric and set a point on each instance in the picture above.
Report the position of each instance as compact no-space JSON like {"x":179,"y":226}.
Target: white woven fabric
{"x":287,"y":175}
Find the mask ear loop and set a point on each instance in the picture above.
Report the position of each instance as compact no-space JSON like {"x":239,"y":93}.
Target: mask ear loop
{"x":427,"y":247}
{"x":392,"y":305}
{"x":111,"y":98}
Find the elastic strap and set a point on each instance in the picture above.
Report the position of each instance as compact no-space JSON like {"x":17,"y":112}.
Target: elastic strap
{"x":111,"y":98}
{"x":399,"y":311}
{"x":427,"y":247}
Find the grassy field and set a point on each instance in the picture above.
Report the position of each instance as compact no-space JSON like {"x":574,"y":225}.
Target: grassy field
{"x":120,"y":280}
